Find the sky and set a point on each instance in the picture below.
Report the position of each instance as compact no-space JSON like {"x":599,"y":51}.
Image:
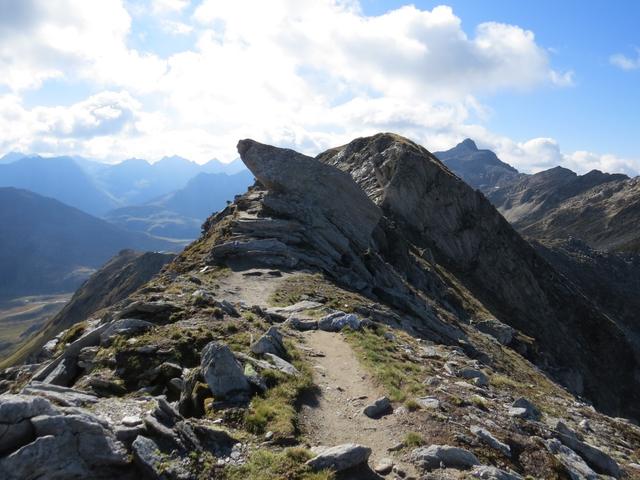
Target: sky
{"x":541,"y":83}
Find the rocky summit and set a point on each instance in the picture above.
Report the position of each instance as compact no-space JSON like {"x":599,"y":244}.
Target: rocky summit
{"x":362,"y":314}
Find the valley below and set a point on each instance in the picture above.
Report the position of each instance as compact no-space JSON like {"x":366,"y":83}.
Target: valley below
{"x":23,"y":316}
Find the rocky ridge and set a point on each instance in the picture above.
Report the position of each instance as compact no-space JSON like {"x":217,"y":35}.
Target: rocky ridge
{"x":374,"y":252}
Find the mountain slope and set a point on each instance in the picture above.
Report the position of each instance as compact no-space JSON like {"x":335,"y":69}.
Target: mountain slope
{"x":60,"y":178}
{"x":598,"y":208}
{"x":46,"y":246}
{"x":611,"y":280}
{"x":467,"y":236}
{"x":481,"y":169}
{"x":115,"y":280}
{"x":606,"y":217}
{"x":180,"y":214}
{"x":318,"y":291}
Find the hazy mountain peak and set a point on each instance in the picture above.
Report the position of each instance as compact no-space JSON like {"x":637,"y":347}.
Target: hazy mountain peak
{"x":467,"y":144}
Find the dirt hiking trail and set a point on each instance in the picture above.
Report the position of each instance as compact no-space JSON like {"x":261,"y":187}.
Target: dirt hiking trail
{"x":335,"y":416}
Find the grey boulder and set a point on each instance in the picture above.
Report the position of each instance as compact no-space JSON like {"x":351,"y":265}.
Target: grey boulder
{"x":64,"y":373}
{"x":336,"y":321}
{"x":302,"y":324}
{"x":436,"y":456}
{"x":523,"y":408}
{"x":66,"y":397}
{"x":340,"y":457}
{"x":72,"y":446}
{"x":486,"y":437}
{"x":493,"y":473}
{"x":377,"y":409}
{"x":596,"y":458}
{"x":477,"y":376}
{"x":571,"y":461}
{"x":222,"y":371}
{"x":270,"y":342}
{"x":15,"y":414}
{"x":282,"y":365}
{"x":124,"y":326}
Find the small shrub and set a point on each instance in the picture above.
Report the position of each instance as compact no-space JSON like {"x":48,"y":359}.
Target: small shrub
{"x":413,"y":439}
{"x":412,"y":405}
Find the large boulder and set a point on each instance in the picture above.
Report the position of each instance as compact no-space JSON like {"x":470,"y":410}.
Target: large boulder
{"x":64,"y":373}
{"x":486,"y":437}
{"x":377,"y":409}
{"x":148,"y":457}
{"x":493,"y":473}
{"x":270,"y":342}
{"x":324,"y":188}
{"x":16,"y":412}
{"x":124,"y":326}
{"x":523,"y":408}
{"x":340,"y":457}
{"x":66,"y":397}
{"x":71,"y":446}
{"x":596,"y":458}
{"x":575,"y":466}
{"x":434,"y":456}
{"x":222,"y":372}
{"x":336,"y":321}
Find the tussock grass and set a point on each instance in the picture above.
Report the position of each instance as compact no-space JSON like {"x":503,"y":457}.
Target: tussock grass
{"x":399,"y":375}
{"x":275,"y":410}
{"x":413,"y":440}
{"x":268,"y":465}
{"x":295,"y":288}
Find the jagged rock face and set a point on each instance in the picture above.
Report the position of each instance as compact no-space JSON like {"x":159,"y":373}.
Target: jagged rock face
{"x":467,"y":235}
{"x":316,"y":187}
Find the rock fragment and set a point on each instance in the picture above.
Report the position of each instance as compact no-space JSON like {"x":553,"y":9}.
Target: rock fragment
{"x":340,"y":457}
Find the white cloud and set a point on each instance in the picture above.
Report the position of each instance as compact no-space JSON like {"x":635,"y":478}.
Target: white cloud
{"x":540,"y":154}
{"x":625,"y":62}
{"x":174,"y":27}
{"x":43,"y":39}
{"x":52,"y":130}
{"x":169,"y":6}
{"x":308,"y":74}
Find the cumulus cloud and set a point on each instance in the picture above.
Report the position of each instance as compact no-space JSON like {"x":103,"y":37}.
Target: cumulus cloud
{"x":307,"y":74}
{"x":539,"y":154}
{"x":166,"y":6}
{"x":43,"y":39}
{"x":625,"y":62}
{"x":65,"y":129}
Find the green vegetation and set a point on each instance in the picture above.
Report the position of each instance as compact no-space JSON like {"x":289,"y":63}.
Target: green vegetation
{"x":498,"y":380}
{"x":400,"y":375}
{"x":413,"y":439}
{"x":73,"y":333}
{"x":286,"y":465}
{"x":412,"y":405}
{"x":275,"y":410}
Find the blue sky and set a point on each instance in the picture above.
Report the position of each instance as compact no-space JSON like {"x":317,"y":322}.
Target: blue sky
{"x":542,"y":83}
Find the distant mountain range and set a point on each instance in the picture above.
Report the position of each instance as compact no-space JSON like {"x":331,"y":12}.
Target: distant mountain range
{"x":601,"y":209}
{"x":180,"y":214}
{"x":46,"y":246}
{"x":98,"y":188}
{"x":52,"y":238}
